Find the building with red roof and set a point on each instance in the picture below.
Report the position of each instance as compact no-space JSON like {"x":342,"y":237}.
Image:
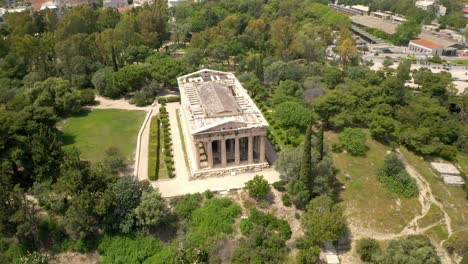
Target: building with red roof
{"x":423,"y":46}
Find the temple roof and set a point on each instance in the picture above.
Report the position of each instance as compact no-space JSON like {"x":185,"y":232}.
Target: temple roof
{"x":216,"y":101}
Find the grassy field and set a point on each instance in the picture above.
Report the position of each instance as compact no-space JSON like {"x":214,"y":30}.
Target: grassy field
{"x":453,"y":198}
{"x":462,"y":162}
{"x":460,"y":62}
{"x":152,"y":152}
{"x":433,"y":216}
{"x":92,"y":132}
{"x":367,"y":202}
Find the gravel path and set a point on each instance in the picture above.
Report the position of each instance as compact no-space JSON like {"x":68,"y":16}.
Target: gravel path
{"x":105,"y":103}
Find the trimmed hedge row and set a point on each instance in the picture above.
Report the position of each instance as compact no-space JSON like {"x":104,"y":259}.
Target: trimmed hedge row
{"x":171,"y":99}
{"x":272,"y":129}
{"x":158,"y":147}
{"x":167,"y":141}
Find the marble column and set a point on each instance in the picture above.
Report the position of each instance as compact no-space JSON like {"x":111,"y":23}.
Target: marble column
{"x":237,"y":151}
{"x":251,"y":146}
{"x":197,"y":156}
{"x":218,"y":146}
{"x":209,"y":153}
{"x":223,"y":152}
{"x":262,"y":149}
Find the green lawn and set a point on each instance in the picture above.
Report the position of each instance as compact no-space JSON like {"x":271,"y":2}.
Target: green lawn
{"x":152,"y":151}
{"x":92,"y":132}
{"x":367,"y":202}
{"x":460,"y":62}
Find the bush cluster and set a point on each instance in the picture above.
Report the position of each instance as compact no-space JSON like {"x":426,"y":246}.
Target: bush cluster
{"x":395,"y":178}
{"x":280,"y":185}
{"x":353,"y":140}
{"x":286,"y":200}
{"x":367,"y":248}
{"x":171,"y":99}
{"x":272,"y":129}
{"x":167,"y":141}
{"x":269,"y":221}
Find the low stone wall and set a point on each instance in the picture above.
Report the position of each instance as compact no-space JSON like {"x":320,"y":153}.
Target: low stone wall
{"x":218,"y":172}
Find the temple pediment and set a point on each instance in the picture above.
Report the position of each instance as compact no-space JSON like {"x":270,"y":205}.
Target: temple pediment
{"x":221,"y":126}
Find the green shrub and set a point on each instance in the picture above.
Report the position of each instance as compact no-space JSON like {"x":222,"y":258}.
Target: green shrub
{"x":170,"y":99}
{"x":87,"y":96}
{"x":395,"y":178}
{"x":173,"y":99}
{"x":286,"y":200}
{"x":208,"y":194}
{"x":211,"y":222}
{"x":367,"y":248}
{"x":258,"y":187}
{"x":10,"y":251}
{"x":353,"y":140}
{"x":308,"y":256}
{"x":280,"y":185}
{"x":269,"y":221}
{"x":246,"y":226}
{"x":141,"y":99}
{"x":337,"y":147}
{"x":297,"y":215}
{"x":123,"y":249}
{"x":184,"y":205}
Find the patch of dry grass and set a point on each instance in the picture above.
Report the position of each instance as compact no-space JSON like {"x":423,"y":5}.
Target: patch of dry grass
{"x":367,"y":202}
{"x":433,"y":216}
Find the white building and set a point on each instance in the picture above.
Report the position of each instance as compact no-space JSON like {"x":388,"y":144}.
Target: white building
{"x":427,"y":4}
{"x":48,"y":5}
{"x":364,"y":10}
{"x":114,"y":3}
{"x":424,"y":4}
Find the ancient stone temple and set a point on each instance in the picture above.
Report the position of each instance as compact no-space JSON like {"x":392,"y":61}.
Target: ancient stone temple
{"x":224,"y":131}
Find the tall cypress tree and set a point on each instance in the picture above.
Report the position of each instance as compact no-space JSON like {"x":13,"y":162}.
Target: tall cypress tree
{"x":320,"y":142}
{"x":306,"y":165}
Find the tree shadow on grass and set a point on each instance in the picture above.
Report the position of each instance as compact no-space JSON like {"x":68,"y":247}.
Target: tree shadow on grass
{"x":82,"y":113}
{"x":68,"y":139}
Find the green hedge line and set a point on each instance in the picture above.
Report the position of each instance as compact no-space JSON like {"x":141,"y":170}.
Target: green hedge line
{"x":272,"y":129}
{"x":171,"y":99}
{"x":158,"y":147}
{"x":167,"y":141}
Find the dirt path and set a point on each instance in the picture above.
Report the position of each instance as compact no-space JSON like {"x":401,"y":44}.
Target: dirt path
{"x":105,"y":103}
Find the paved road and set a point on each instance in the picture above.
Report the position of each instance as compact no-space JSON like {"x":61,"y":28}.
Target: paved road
{"x":182,"y":184}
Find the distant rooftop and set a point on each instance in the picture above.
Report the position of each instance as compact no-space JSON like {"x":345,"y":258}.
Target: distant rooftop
{"x":426,"y":43}
{"x":213,"y":99}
